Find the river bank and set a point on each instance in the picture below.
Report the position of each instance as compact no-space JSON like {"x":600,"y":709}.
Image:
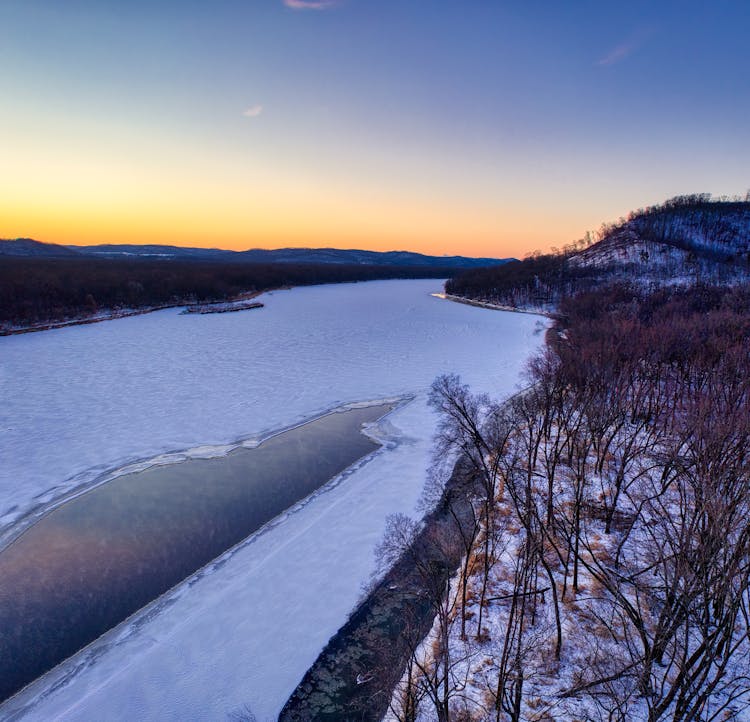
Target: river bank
{"x":239,"y":303}
{"x":356,"y":674}
{"x":495,"y":306}
{"x":83,"y":400}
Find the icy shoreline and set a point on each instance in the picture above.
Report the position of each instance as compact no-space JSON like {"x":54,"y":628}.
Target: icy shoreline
{"x":377,"y":431}
{"x":87,"y":399}
{"x":11,"y":532}
{"x":494,"y":306}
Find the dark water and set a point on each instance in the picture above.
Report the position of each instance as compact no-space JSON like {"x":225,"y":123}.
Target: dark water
{"x":376,"y":642}
{"x":98,"y":558}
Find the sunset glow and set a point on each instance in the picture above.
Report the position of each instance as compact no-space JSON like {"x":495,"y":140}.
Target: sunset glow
{"x":474,"y":128}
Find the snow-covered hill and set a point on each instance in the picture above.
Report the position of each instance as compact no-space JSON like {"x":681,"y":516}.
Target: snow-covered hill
{"x":678,"y":236}
{"x":685,"y":240}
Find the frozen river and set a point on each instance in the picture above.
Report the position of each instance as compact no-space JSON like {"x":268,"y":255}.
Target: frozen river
{"x":81,"y":404}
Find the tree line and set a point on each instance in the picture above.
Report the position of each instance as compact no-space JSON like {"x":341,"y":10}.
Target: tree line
{"x":607,"y":557}
{"x":40,"y":290}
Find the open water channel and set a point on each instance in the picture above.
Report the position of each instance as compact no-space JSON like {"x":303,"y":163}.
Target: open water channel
{"x":93,"y":561}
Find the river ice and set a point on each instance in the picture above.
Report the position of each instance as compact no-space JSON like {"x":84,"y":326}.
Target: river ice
{"x":82,"y":401}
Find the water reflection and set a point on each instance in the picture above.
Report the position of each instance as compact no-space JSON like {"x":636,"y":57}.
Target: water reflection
{"x":98,"y":558}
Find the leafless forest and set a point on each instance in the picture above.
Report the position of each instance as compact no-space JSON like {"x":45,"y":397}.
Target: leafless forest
{"x":607,"y":562}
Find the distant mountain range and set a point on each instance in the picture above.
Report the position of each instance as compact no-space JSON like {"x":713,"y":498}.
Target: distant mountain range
{"x":27,"y":247}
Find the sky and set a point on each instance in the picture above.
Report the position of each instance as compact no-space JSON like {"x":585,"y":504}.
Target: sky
{"x":473,"y":127}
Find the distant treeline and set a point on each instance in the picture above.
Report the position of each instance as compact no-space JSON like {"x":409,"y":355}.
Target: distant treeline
{"x":42,"y":290}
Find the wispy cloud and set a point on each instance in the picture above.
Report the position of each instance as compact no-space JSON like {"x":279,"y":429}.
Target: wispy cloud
{"x":626,"y":48}
{"x":311,"y":4}
{"x":253,"y":111}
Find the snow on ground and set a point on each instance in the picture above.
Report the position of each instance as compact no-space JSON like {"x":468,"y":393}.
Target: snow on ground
{"x":79,"y":402}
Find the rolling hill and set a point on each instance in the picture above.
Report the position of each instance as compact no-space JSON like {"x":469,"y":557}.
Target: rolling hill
{"x":685,"y":240}
{"x":30,"y":248}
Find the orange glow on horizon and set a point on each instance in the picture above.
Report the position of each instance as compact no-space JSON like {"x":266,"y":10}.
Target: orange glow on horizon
{"x":162,"y":193}
{"x":201,"y":230}
{"x":222,"y":217}
{"x":476,"y":130}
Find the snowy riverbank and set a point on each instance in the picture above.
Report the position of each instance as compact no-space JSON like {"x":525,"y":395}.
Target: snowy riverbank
{"x":84,"y":400}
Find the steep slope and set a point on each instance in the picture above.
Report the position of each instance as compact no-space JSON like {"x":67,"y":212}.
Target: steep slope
{"x":686,"y":240}
{"x":682,"y":229}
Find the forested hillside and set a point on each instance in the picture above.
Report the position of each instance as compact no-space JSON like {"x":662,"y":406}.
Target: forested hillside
{"x":609,"y":567}
{"x":685,"y":240}
{"x":606,"y":573}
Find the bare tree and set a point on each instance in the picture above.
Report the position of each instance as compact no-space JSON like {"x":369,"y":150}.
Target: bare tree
{"x":474,"y":430}
{"x":430,"y":551}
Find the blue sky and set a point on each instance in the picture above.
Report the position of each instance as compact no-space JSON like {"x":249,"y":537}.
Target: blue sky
{"x":477,"y":127}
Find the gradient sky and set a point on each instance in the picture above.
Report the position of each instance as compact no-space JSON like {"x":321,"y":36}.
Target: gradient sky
{"x":479,"y":127}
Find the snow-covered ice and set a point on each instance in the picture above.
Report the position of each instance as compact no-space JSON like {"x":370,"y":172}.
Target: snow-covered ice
{"x":82,"y":401}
